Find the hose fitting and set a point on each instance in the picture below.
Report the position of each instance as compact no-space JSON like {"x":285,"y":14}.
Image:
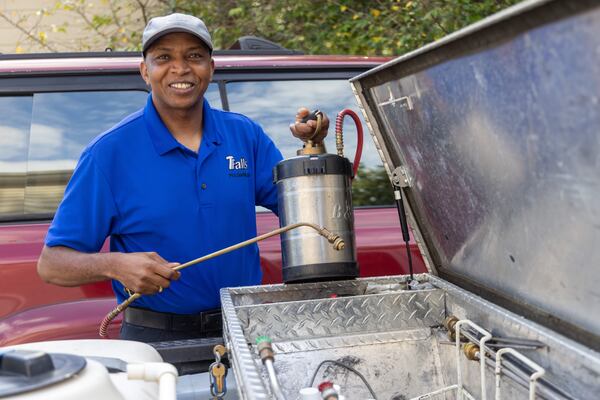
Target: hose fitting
{"x":339,"y":135}
{"x":450,"y":324}
{"x":328,"y":391}
{"x":337,"y":242}
{"x":471,"y":351}
{"x":265,"y":350}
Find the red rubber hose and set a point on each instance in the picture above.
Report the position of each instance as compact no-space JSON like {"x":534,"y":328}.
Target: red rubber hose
{"x":103,"y":331}
{"x":339,"y":122}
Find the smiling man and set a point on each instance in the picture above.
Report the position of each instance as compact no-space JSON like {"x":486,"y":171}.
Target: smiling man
{"x":172,"y":182}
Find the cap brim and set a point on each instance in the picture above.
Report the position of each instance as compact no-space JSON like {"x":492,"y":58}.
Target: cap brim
{"x":154,"y":38}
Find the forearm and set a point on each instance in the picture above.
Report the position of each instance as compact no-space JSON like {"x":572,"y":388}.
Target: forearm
{"x":67,"y":267}
{"x":145,"y":273}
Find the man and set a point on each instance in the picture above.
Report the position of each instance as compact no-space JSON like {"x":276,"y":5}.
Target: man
{"x":170,"y":183}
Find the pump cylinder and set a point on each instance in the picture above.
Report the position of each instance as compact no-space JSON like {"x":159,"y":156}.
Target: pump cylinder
{"x":316,"y":189}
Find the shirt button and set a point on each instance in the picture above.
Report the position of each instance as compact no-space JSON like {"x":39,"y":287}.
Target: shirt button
{"x":203,"y":186}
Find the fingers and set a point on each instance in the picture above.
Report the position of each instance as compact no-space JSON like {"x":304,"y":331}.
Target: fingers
{"x":301,"y":113}
{"x":147,"y":273}
{"x":176,"y":274}
{"x":306,"y":130}
{"x":152,"y":284}
{"x":155,"y":256}
{"x":303,"y":130}
{"x":164,"y":273}
{"x":165,"y":269}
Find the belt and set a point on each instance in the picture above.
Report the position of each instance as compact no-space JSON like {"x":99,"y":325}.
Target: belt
{"x":206,"y":321}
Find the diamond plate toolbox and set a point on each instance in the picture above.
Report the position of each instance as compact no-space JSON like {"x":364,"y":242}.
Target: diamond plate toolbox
{"x":398,"y":338}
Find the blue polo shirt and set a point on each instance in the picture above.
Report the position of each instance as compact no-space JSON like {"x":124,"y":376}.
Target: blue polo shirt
{"x":138,"y":185}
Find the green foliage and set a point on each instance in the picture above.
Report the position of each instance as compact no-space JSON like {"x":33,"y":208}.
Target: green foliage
{"x":365,"y":27}
{"x":362,"y":27}
{"x":372,"y":187}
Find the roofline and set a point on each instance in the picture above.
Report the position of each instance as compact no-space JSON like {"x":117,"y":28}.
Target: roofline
{"x":127,"y":62}
{"x":118,"y":54}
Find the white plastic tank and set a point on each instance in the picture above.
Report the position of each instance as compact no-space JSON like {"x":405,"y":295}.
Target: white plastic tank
{"x":77,"y":369}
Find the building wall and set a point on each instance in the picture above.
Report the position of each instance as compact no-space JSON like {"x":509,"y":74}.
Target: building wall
{"x":78,"y":36}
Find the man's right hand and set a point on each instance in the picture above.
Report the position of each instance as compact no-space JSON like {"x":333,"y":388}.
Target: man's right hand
{"x":145,"y":273}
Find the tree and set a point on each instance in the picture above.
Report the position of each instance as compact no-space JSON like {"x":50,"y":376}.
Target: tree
{"x":364,"y":27}
{"x":372,"y":187}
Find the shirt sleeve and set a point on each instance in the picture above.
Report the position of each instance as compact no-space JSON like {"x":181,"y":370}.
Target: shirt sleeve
{"x":266,"y":156}
{"x":88,"y":214}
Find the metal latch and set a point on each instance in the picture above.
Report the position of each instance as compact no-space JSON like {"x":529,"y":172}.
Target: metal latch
{"x":401,"y":178}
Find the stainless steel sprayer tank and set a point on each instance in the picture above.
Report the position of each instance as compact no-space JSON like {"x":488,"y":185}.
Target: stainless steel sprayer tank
{"x":317,"y":187}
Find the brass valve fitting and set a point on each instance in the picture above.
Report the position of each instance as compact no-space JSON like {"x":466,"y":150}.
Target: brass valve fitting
{"x":265,"y":350}
{"x":471,"y":351}
{"x":450,"y":323}
{"x":335,"y":240}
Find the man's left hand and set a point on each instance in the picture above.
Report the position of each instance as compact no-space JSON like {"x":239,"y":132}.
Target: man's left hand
{"x":306,"y":130}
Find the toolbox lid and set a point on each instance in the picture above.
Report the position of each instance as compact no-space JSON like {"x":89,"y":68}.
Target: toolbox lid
{"x":494,"y":132}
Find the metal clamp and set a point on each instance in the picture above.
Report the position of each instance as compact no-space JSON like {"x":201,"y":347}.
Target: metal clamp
{"x":401,"y":178}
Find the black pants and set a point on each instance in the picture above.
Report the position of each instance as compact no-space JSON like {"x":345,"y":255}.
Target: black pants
{"x":150,"y":326}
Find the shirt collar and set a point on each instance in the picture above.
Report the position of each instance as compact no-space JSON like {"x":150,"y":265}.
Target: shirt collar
{"x":163,"y":140}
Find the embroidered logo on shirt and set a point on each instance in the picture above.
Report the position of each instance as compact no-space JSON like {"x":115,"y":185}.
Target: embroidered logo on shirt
{"x":237,"y":168}
{"x":233,"y":164}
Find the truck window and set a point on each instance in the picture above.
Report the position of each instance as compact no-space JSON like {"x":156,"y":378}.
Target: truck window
{"x":14,"y":137}
{"x":273,"y":105}
{"x":62,"y":125}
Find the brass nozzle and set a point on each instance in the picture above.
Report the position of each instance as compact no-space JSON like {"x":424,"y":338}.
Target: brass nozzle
{"x":471,"y":351}
{"x":337,"y":242}
{"x":311,"y":148}
{"x":450,"y":324}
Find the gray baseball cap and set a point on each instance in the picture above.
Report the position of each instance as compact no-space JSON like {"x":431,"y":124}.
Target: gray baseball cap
{"x":160,"y":26}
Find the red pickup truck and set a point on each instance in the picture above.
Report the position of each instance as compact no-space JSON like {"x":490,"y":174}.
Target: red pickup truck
{"x":54,"y":104}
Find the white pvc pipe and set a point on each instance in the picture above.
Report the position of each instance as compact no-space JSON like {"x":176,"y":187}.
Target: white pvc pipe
{"x":310,"y":393}
{"x":486,"y":336}
{"x":163,"y":373}
{"x":435,"y":392}
{"x":539,"y":371}
{"x":167,"y":388}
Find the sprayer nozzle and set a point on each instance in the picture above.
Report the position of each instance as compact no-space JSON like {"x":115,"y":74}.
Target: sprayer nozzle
{"x":335,"y":240}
